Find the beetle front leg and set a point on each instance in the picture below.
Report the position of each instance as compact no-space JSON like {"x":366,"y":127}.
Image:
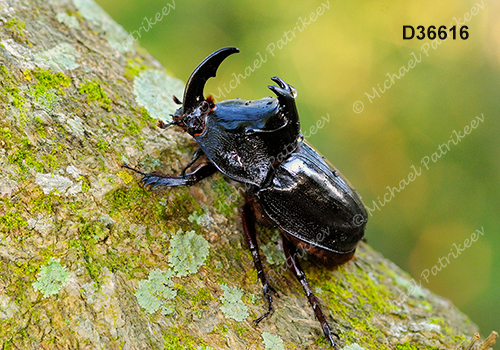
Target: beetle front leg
{"x":293,"y":263}
{"x":159,"y":179}
{"x":249,"y":231}
{"x":196,"y":155}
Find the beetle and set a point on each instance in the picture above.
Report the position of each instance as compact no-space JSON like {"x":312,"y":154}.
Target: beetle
{"x":258,"y":143}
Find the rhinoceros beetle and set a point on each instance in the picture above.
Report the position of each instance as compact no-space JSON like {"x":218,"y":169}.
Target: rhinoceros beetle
{"x":287,"y":182}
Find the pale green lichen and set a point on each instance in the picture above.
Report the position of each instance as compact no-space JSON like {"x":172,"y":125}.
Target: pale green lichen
{"x":153,"y":90}
{"x":154,"y":293}
{"x":187,"y":252}
{"x":354,"y":346}
{"x":202,"y":219}
{"x":51,"y":278}
{"x":274,"y":254}
{"x":232,"y":305}
{"x":68,"y":20}
{"x":272,"y":342}
{"x":59,"y":184}
{"x":102,"y":22}
{"x":59,"y":58}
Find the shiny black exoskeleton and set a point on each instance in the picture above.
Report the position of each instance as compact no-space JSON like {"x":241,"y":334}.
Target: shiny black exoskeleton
{"x":287,"y":182}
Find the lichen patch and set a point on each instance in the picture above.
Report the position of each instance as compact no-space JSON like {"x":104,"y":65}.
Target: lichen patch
{"x":58,"y":58}
{"x":272,"y":342}
{"x":59,"y":184}
{"x":153,"y":90}
{"x":233,"y":307}
{"x":188,"y":252}
{"x":154,"y":293}
{"x":51,"y":278}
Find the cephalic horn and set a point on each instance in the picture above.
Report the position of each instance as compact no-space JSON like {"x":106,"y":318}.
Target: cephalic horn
{"x":193,"y":93}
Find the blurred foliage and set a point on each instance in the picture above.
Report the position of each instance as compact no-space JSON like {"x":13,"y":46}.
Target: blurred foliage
{"x":335,"y":61}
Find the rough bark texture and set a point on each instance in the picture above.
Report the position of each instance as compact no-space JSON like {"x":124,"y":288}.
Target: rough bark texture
{"x":91,"y":260}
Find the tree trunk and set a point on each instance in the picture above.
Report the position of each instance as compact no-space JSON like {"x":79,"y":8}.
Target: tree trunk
{"x":89,"y":259}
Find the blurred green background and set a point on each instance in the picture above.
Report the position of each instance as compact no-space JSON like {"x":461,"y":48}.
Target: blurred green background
{"x":335,"y":61}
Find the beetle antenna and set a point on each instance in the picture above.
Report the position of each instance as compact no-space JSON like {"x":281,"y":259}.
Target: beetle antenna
{"x":163,"y":125}
{"x":124,"y":165}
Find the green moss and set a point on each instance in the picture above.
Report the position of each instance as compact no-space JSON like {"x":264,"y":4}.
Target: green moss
{"x":51,"y":279}
{"x":26,"y":156}
{"x":102,"y":145}
{"x":188,"y":252}
{"x":133,"y":200}
{"x":232,"y":306}
{"x":156,"y":292}
{"x":134,"y":67}
{"x":177,"y":209}
{"x":369,"y":296}
{"x":12,"y":221}
{"x":130,"y":126}
{"x":177,"y":339}
{"x":22,"y":154}
{"x":95,"y":93}
{"x":322,"y":342}
{"x":172,"y":342}
{"x":85,"y":183}
{"x":143,"y":207}
{"x":91,"y":232}
{"x":10,"y":93}
{"x":16,"y":26}
{"x":227,"y":197}
{"x":203,"y":295}
{"x":407,"y":346}
{"x":447,"y":332}
{"x":6,"y":134}
{"x":46,"y":81}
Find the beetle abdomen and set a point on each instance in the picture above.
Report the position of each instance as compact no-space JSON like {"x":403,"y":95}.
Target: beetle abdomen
{"x":310,"y":202}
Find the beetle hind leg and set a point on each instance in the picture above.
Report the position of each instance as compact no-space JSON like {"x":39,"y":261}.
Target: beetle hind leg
{"x":248,"y":221}
{"x":293,"y":263}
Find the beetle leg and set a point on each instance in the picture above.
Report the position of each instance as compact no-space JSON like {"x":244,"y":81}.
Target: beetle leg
{"x":293,"y":263}
{"x":196,"y":155}
{"x":248,"y":220}
{"x":159,"y":179}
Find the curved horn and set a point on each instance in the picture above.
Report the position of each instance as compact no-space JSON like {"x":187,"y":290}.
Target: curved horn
{"x":193,"y":93}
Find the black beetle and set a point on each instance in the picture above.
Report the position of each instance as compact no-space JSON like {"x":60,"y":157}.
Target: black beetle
{"x":287,"y":182}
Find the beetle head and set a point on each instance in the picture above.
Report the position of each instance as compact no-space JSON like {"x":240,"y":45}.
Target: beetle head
{"x":191,"y":116}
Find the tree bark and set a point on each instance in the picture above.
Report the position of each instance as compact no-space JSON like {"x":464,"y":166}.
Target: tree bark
{"x":89,"y":259}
